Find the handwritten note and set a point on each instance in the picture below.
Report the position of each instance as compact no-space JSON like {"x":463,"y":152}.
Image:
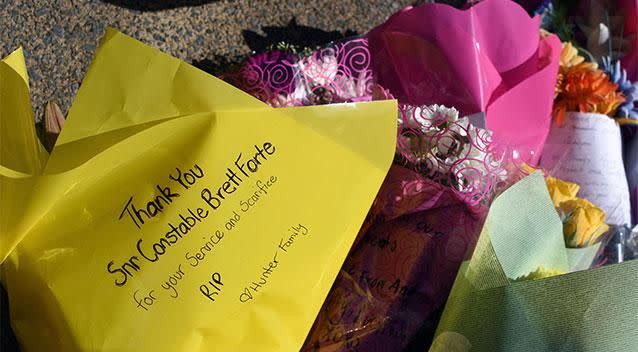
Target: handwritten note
{"x":183,"y":215}
{"x":587,"y":150}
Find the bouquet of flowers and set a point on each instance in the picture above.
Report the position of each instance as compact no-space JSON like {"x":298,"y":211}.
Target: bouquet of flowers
{"x":522,"y":291}
{"x":505,"y":175}
{"x":481,"y":94}
{"x":458,"y":144}
{"x":596,"y":106}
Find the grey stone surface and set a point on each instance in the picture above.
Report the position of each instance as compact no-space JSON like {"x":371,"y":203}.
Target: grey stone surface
{"x":60,"y":36}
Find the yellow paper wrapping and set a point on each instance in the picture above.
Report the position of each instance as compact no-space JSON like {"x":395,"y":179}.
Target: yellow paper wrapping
{"x":25,"y":156}
{"x":177,"y":213}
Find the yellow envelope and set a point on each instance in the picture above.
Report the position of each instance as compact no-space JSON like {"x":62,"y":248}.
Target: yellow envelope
{"x":177,"y":213}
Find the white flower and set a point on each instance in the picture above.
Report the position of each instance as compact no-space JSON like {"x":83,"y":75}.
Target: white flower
{"x":319,"y":72}
{"x":295,"y":98}
{"x":450,"y":149}
{"x":426,"y":117}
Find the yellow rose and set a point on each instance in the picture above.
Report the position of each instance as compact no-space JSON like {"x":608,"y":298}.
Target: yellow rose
{"x":560,"y":190}
{"x":583,"y":222}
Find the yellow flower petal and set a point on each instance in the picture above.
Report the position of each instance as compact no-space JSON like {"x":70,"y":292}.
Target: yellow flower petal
{"x":569,"y":56}
{"x":539,"y":273}
{"x":582,"y":222}
{"x":595,"y":237}
{"x":561,"y":191}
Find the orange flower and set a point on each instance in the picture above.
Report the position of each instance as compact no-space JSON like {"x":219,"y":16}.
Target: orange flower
{"x":585,"y":89}
{"x":569,"y":57}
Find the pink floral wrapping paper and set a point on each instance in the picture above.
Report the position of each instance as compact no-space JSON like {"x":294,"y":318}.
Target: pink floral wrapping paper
{"x":488,"y":58}
{"x":335,"y":74}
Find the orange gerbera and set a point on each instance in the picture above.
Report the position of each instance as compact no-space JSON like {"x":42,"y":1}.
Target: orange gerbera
{"x":585,"y":89}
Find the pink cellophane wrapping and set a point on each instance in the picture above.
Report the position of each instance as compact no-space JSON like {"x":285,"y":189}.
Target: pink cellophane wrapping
{"x":477,"y":163}
{"x":418,"y":232}
{"x":487,"y":58}
{"x":401,"y":268}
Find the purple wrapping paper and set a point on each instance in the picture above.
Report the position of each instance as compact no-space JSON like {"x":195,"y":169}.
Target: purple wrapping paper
{"x":335,"y":74}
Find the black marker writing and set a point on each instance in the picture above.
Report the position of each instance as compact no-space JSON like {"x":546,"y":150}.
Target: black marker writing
{"x":153,"y":207}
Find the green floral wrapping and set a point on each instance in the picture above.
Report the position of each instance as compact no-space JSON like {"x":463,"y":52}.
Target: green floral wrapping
{"x":497,"y":304}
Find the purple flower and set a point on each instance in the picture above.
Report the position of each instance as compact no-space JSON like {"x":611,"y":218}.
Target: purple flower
{"x":618,"y":75}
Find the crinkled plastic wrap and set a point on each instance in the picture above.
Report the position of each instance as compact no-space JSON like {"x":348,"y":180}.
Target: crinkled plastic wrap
{"x":400,"y":270}
{"x":487,"y":59}
{"x":177,"y":213}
